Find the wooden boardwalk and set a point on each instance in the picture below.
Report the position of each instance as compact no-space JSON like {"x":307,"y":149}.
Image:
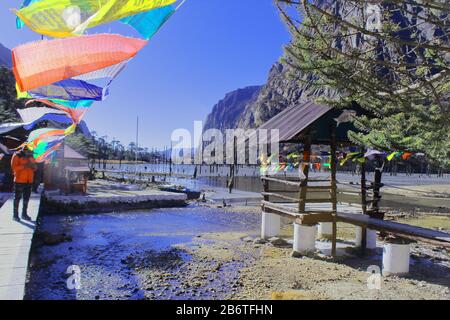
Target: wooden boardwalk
{"x":15,"y":245}
{"x":352,"y":214}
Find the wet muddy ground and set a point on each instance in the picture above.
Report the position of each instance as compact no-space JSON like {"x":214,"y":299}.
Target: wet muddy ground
{"x":210,"y":253}
{"x":133,"y":255}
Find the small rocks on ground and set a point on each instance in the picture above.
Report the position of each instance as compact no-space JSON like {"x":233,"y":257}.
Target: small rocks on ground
{"x":259,"y":241}
{"x":278,"y":242}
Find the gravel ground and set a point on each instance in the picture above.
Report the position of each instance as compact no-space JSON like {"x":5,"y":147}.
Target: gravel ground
{"x":210,"y":253}
{"x":231,"y":265}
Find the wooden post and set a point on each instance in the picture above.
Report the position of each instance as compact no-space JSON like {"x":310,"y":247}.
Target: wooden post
{"x":363,"y":204}
{"x":333,"y":186}
{"x":304,"y":183}
{"x":375,"y":209}
{"x":170,"y":160}
{"x":266,"y":189}
{"x":233,"y":166}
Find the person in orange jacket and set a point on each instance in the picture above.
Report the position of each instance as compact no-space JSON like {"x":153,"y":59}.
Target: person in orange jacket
{"x":23,"y":166}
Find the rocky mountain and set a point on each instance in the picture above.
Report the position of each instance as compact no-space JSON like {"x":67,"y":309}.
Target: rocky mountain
{"x":228,"y":111}
{"x":8,"y":100}
{"x":284,"y":88}
{"x":5,"y":57}
{"x":252,"y":106}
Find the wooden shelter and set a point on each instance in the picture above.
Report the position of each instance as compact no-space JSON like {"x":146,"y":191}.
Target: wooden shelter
{"x":67,"y":172}
{"x":307,"y":124}
{"x":309,"y":201}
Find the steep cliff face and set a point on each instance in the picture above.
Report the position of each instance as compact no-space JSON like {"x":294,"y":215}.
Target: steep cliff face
{"x":227,"y":112}
{"x":252,"y":106}
{"x":8,"y":100}
{"x":286,"y":87}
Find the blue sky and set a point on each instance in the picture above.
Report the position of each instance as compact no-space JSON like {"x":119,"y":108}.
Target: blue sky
{"x":208,"y":48}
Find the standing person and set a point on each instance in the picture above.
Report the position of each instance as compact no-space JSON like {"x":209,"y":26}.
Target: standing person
{"x":23,"y":166}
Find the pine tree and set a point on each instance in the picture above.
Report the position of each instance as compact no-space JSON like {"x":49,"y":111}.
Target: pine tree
{"x":8,"y":100}
{"x":390,"y":57}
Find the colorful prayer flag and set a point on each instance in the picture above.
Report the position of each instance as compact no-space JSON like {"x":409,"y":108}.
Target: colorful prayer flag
{"x":45,"y":62}
{"x":66,"y":18}
{"x":148,"y":23}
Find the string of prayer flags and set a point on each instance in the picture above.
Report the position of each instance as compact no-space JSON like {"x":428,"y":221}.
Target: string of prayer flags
{"x":44,"y":62}
{"x":61,"y":118}
{"x":354,"y":156}
{"x":75,"y":114}
{"x":148,"y":23}
{"x":73,"y":104}
{"x":68,"y":89}
{"x":392,"y":155}
{"x":33,"y":113}
{"x":399,"y":154}
{"x":406,"y":155}
{"x":67,"y":103}
{"x":50,"y":149}
{"x":26,"y":3}
{"x":68,"y":18}
{"x":43,"y":147}
{"x":293,"y":156}
{"x":69,"y":74}
{"x":371,"y":154}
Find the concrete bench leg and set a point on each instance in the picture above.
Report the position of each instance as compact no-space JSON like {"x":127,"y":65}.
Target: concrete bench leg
{"x":270,"y":225}
{"x":325,"y":230}
{"x":304,"y":238}
{"x":395,"y":259}
{"x":371,"y":238}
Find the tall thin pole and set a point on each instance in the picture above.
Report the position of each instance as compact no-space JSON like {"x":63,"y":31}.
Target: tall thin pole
{"x":333,"y":188}
{"x":137,"y":143}
{"x":170,"y":158}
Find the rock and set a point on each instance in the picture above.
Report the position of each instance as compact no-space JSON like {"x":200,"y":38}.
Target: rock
{"x":247,"y":239}
{"x":54,"y":239}
{"x":259,"y":241}
{"x":278,"y":242}
{"x":321,"y":256}
{"x":296,"y":254}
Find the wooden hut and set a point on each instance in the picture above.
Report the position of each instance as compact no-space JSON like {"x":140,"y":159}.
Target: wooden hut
{"x":67,"y":172}
{"x":311,"y":124}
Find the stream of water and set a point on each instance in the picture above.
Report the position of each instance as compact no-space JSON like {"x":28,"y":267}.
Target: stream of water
{"x":100,"y":243}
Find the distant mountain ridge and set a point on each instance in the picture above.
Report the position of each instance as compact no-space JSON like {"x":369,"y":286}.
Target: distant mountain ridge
{"x":227,"y":112}
{"x":286,"y":87}
{"x":5,"y":57}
